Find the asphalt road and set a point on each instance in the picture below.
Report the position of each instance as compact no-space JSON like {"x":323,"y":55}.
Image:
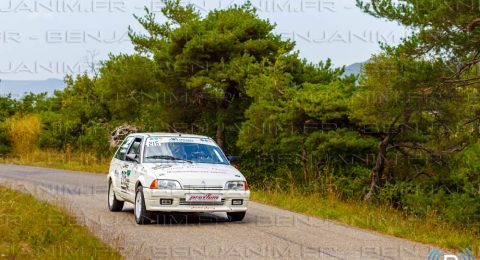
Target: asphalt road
{"x":265,"y":233}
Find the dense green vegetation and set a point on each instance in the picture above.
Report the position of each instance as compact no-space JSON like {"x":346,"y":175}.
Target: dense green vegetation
{"x":37,"y":230}
{"x":403,"y":135}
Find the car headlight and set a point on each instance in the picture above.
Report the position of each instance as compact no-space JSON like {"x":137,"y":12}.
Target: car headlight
{"x":165,"y":185}
{"x":236,"y":185}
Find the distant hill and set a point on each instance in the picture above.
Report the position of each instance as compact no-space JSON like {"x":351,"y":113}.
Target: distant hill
{"x":18,"y":88}
{"x":353,"y":69}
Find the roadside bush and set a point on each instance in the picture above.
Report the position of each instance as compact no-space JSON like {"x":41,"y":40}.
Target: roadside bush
{"x":4,"y":142}
{"x":56,"y":131}
{"x":451,"y":194}
{"x":23,"y":133}
{"x":95,"y":138}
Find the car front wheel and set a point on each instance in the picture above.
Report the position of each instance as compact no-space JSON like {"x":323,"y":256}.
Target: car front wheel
{"x":113,"y":203}
{"x":141,"y":213}
{"x":236,"y":216}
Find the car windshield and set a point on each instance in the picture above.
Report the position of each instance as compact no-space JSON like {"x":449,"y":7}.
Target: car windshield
{"x":183,"y":152}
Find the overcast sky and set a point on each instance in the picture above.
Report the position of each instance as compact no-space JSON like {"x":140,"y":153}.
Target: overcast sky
{"x":42,"y":39}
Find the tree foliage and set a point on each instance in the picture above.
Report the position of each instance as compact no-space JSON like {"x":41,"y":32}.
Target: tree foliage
{"x":210,"y":58}
{"x":404,"y":133}
{"x":441,"y":29}
{"x":302,"y":122}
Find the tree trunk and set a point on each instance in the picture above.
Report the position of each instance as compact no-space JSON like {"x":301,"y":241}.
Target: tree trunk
{"x":379,"y":168}
{"x":220,"y":136}
{"x":223,"y":113}
{"x":305,"y":165}
{"x":377,"y":171}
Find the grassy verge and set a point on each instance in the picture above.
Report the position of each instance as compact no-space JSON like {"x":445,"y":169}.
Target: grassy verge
{"x":374,"y":217}
{"x":31,"y":229}
{"x":67,"y":161}
{"x":369,"y":216}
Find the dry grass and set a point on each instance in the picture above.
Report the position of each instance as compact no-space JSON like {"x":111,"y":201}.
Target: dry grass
{"x":77,"y":161}
{"x":23,"y":132}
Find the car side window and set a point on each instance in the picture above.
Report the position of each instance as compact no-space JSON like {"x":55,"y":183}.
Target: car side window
{"x":122,"y":151}
{"x":135,"y":148}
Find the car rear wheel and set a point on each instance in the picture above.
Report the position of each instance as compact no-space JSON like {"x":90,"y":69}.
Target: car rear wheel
{"x":140,"y":212}
{"x":236,"y":216}
{"x":113,"y":203}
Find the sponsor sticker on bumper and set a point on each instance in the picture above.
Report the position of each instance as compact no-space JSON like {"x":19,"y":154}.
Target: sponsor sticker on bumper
{"x":203,"y":197}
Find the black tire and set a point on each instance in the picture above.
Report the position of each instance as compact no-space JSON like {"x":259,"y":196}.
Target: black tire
{"x":113,"y":204}
{"x":142,"y":216}
{"x":236,"y":216}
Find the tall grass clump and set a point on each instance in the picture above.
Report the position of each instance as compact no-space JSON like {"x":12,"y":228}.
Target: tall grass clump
{"x":23,"y":133}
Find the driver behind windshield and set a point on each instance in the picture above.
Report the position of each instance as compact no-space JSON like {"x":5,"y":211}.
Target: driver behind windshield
{"x":190,"y":152}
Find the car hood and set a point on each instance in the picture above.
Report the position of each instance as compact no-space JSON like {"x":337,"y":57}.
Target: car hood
{"x":196,"y":174}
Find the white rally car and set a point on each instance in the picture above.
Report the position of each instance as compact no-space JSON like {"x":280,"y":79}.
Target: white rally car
{"x":175,"y":173}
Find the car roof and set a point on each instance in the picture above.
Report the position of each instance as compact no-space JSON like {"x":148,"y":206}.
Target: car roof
{"x":160,"y":134}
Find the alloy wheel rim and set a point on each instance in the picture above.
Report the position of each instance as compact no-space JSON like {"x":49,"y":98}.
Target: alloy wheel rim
{"x":110,"y":195}
{"x":138,"y":205}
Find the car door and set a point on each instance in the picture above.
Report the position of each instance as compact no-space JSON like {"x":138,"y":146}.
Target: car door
{"x":118,"y":164}
{"x":130,"y":173}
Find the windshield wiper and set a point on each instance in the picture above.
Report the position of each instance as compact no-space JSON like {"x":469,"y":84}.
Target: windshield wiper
{"x":167,"y":157}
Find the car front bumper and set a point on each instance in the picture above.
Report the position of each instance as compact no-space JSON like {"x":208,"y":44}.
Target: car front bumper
{"x":179,"y":203}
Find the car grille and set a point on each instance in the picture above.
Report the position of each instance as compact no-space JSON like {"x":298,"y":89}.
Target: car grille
{"x":203,"y":203}
{"x":201,"y":187}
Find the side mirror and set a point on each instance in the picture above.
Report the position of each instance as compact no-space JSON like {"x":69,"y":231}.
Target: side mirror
{"x":133,"y":158}
{"x":232,"y":158}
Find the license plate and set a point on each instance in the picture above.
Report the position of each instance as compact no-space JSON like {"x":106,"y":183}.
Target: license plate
{"x":203,"y":197}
